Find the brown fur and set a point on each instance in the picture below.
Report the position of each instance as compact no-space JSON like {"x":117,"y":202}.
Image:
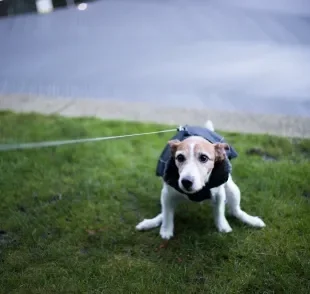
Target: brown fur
{"x":215,"y":152}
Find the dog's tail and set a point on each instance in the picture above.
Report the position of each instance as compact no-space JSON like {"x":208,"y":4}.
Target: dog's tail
{"x":209,"y":125}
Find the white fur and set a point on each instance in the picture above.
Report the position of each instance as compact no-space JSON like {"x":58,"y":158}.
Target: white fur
{"x":193,"y":170}
{"x":209,"y":125}
{"x":171,"y":197}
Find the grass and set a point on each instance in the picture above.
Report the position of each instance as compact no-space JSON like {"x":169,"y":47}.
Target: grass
{"x":68,"y":214}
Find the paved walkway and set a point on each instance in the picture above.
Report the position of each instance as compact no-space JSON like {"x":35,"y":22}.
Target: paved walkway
{"x":245,"y":56}
{"x":147,"y":112}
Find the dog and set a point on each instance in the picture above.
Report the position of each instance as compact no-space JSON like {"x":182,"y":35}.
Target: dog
{"x":194,"y":159}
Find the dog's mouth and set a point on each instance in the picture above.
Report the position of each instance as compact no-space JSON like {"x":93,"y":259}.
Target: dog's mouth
{"x":189,"y":186}
{"x":190,"y":190}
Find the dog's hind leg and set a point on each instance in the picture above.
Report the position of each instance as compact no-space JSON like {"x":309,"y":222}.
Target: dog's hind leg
{"x":150,"y":223}
{"x":233,"y":201}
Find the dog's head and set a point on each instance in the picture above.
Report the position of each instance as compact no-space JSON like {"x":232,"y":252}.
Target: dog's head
{"x":195,"y":158}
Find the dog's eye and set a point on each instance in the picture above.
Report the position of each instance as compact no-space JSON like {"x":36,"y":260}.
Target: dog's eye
{"x":180,"y":158}
{"x":203,"y":158}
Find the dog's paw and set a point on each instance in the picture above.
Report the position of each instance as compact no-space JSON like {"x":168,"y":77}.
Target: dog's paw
{"x":224,"y":227}
{"x":258,"y":222}
{"x":165,"y":233}
{"x":146,"y":224}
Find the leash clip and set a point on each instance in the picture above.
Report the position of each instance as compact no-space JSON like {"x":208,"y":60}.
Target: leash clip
{"x":180,"y":128}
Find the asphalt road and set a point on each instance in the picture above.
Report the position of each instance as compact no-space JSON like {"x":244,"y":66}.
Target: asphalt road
{"x":215,"y":54}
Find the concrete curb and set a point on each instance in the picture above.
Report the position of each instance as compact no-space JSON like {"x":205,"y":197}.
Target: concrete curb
{"x":280,"y":125}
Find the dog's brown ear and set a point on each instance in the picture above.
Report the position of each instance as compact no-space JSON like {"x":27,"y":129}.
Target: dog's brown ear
{"x":220,"y":152}
{"x":174,"y":145}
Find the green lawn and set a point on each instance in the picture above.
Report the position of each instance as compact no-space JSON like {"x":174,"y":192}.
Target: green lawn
{"x":68,"y":215}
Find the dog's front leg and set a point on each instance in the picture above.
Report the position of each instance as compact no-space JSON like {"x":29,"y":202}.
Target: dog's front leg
{"x":168,"y":204}
{"x":218,"y":199}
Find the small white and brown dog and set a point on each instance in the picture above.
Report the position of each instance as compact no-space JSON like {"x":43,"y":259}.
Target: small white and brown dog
{"x":195,"y":158}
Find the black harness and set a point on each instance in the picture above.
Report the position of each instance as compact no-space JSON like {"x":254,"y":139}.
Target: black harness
{"x":167,"y":169}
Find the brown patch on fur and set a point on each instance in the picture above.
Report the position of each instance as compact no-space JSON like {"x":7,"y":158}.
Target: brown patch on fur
{"x":174,"y":144}
{"x":215,"y":152}
{"x":220,"y":153}
{"x":200,"y":146}
{"x":204,"y":147}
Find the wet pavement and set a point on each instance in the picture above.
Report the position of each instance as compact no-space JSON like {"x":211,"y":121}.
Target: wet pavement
{"x":219,"y":55}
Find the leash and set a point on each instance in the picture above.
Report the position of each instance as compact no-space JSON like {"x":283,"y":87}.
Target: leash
{"x":33,"y":145}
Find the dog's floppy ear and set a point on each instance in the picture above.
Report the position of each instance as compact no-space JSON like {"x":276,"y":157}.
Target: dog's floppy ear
{"x":174,"y":145}
{"x":220,"y":151}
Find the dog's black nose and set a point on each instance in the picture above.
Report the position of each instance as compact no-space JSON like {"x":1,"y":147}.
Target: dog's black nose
{"x":187,"y":183}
